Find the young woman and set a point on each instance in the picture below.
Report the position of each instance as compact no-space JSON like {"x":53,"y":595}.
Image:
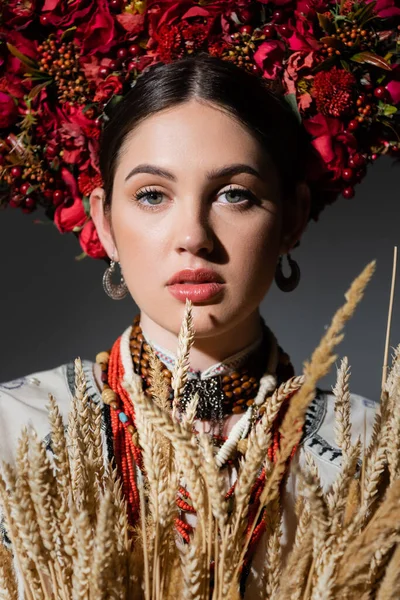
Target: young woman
{"x":204,"y":193}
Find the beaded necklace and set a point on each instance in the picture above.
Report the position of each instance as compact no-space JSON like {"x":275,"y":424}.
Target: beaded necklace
{"x":128,"y":354}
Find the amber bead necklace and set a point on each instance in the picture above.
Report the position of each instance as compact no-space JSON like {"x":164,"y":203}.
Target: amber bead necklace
{"x":221,"y":394}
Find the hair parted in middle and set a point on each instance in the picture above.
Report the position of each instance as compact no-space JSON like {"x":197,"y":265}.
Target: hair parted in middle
{"x":247,"y":97}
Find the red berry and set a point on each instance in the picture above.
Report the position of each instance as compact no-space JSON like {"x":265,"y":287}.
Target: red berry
{"x":16,"y":172}
{"x":269,"y":31}
{"x":347,"y":174}
{"x":353,"y":125}
{"x":122,"y":53}
{"x":104,"y":71}
{"x":44,"y":20}
{"x":24,"y":188}
{"x":285,"y":31}
{"x":113,"y":66}
{"x":374,"y":156}
{"x":14,"y":203}
{"x":132,"y":65}
{"x":29,"y":203}
{"x":58,"y":196}
{"x":134,"y":50}
{"x":348,"y":192}
{"x":246,"y":29}
{"x":380,"y":92}
{"x":358,"y":160}
{"x":245,"y":15}
{"x":278,"y":16}
{"x":115,"y":5}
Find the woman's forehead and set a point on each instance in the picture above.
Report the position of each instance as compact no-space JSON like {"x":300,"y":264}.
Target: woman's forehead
{"x":192,"y":135}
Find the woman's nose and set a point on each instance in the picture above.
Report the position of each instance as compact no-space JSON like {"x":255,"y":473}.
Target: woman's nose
{"x":192,"y":230}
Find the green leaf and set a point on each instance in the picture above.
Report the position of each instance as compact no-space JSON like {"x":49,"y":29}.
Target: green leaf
{"x":345,"y":65}
{"x":371,"y":59}
{"x":81,"y":256}
{"x":28,"y":62}
{"x":86,"y":205}
{"x":326,"y":24}
{"x":389,"y":125}
{"x":364,"y":13}
{"x":68,"y":34}
{"x":38,"y":88}
{"x":292,"y":101}
{"x":389,"y":109}
{"x":325,"y":65}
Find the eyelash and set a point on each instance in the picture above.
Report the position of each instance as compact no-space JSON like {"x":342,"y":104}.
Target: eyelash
{"x":138,"y":196}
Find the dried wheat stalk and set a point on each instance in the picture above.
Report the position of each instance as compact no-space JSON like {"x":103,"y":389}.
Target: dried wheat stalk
{"x":67,"y":519}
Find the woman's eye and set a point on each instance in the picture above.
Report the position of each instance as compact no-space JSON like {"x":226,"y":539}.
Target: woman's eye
{"x":149,"y":197}
{"x":236,"y":196}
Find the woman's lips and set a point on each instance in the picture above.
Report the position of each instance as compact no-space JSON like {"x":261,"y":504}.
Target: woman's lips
{"x":197,"y":292}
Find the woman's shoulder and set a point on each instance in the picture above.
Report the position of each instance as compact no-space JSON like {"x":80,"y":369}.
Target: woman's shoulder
{"x":24,"y":401}
{"x":319,"y":431}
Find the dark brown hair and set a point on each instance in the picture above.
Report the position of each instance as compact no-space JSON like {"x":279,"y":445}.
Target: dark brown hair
{"x":244,"y":95}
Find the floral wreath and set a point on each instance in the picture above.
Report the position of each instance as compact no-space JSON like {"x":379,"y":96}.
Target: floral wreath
{"x":64,"y":65}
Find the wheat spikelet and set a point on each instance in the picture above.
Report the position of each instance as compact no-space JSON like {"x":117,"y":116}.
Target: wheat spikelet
{"x":361,"y":549}
{"x":352,"y":502}
{"x":8,"y":586}
{"x":337,"y":498}
{"x":390,"y":586}
{"x":294,"y":575}
{"x":189,"y":415}
{"x":181,"y":367}
{"x":103,"y":566}
{"x":273,"y":553}
{"x":342,"y":408}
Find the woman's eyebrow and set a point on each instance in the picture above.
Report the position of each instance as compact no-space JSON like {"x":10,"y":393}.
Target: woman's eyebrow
{"x":227,"y":171}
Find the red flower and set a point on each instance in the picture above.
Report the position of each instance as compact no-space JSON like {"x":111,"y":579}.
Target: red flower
{"x":177,"y":40}
{"x":87,"y":183}
{"x":331,"y":143}
{"x":334,"y":92}
{"x":67,"y":218}
{"x":133,"y":24}
{"x":298,"y":67}
{"x":90,"y":243}
{"x":393,"y":87}
{"x":8,"y":110}
{"x":63,"y":14}
{"x":269,"y":57}
{"x":107,"y":88}
{"x":385,"y":9}
{"x":17,"y":14}
{"x":100,"y":31}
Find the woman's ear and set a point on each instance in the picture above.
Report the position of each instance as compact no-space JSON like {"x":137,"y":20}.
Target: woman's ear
{"x":296,"y":211}
{"x":101,"y":219}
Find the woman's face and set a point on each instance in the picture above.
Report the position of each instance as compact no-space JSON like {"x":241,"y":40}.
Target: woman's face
{"x":194,"y":217}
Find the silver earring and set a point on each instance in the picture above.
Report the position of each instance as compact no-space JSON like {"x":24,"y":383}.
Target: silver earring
{"x":116,"y":291}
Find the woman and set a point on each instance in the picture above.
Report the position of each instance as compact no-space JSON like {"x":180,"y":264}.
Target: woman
{"x":204,"y":193}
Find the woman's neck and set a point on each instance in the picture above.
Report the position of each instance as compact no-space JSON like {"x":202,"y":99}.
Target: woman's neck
{"x":207,"y":350}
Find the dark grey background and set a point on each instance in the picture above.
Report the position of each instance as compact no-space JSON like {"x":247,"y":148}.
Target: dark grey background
{"x":54,"y":308}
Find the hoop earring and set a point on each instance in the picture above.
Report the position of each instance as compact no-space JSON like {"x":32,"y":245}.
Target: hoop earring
{"x":116,"y":291}
{"x":287,"y":284}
